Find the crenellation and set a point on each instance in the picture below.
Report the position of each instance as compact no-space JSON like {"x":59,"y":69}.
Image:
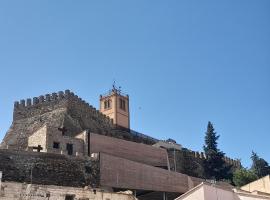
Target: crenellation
{"x":35,"y":101}
{"x":202,"y":155}
{"x":28,"y":102}
{"x":54,"y":96}
{"x":67,"y":92}
{"x":60,"y":94}
{"x":47,"y":97}
{"x":16,"y":104}
{"x":22,"y":103}
{"x":41,"y":98}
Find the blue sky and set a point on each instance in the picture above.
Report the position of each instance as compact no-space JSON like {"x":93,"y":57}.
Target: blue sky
{"x":183,"y":63}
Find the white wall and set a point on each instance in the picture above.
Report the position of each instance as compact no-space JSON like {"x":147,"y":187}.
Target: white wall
{"x":21,"y":191}
{"x":209,"y":192}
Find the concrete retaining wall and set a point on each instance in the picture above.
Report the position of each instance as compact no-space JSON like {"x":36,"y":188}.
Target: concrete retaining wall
{"x":138,"y":152}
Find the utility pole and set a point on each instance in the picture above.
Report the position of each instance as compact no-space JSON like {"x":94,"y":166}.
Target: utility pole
{"x":0,"y":182}
{"x":164,"y":196}
{"x":174,"y":159}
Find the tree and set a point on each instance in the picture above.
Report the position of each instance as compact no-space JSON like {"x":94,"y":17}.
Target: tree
{"x":259,"y":165}
{"x":243,"y":176}
{"x":215,"y":166}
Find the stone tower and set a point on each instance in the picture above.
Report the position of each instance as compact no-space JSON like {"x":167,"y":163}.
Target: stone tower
{"x":115,"y":105}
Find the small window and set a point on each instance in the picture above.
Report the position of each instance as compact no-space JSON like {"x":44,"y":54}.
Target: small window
{"x":88,"y":169}
{"x":56,"y":145}
{"x":122,"y":104}
{"x":70,"y":197}
{"x":70,"y":149}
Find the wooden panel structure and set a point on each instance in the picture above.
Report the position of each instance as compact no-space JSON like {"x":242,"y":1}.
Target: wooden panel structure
{"x":122,"y":173}
{"x":138,"y":152}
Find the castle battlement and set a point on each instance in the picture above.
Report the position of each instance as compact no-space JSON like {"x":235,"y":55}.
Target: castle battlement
{"x":201,"y":155}
{"x":44,"y":103}
{"x":44,"y":98}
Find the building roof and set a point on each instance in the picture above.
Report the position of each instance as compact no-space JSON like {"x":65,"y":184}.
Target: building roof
{"x":261,"y":185}
{"x":237,"y":192}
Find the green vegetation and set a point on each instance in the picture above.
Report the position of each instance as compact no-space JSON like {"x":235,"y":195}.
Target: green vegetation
{"x":259,"y":169}
{"x":243,"y":176}
{"x":259,"y":166}
{"x":215,"y":166}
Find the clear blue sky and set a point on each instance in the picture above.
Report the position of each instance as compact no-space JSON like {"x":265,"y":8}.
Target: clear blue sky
{"x":183,"y":63}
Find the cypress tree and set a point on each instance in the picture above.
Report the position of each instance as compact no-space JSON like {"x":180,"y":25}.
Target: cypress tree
{"x":260,"y":167}
{"x":214,"y":164}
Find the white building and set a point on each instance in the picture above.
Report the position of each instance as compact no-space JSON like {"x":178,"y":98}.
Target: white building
{"x":207,"y":191}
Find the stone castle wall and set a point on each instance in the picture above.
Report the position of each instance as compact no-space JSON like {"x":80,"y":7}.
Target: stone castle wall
{"x":48,"y":169}
{"x":191,"y":162}
{"x":57,"y":110}
{"x":49,"y":102}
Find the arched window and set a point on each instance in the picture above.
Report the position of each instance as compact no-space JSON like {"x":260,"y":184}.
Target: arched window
{"x":107,"y":104}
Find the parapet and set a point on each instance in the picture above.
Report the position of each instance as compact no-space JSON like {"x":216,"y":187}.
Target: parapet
{"x":44,"y":103}
{"x":41,"y":99}
{"x":201,"y":155}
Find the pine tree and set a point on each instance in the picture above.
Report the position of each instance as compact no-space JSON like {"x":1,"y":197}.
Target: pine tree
{"x":260,"y":167}
{"x":214,"y":164}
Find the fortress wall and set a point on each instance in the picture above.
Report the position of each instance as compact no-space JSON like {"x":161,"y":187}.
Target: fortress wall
{"x":89,"y":117}
{"x":48,"y":169}
{"x":129,"y":150}
{"x":184,"y":157}
{"x":45,"y":103}
{"x":122,"y":173}
{"x":39,"y":105}
{"x":60,"y":109}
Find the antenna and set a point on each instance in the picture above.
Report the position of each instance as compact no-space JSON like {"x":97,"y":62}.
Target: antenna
{"x":114,"y":87}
